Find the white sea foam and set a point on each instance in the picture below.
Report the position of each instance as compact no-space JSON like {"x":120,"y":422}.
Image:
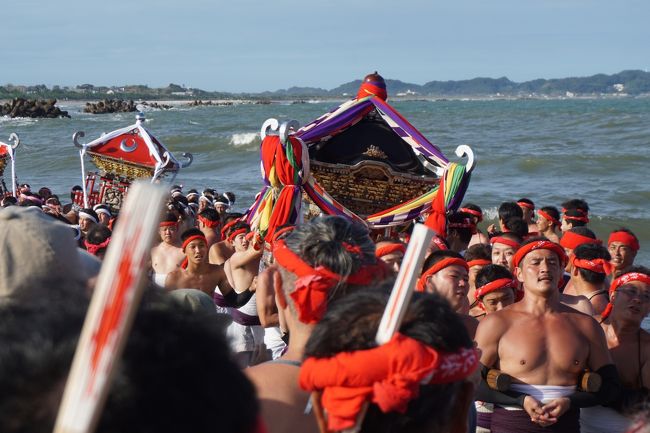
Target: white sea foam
{"x":244,"y":138}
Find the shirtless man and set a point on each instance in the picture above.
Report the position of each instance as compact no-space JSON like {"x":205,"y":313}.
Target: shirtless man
{"x":623,"y":246}
{"x":476,"y":213}
{"x":629,"y":345}
{"x":548,"y":223}
{"x":507,"y":210}
{"x":198,"y":273}
{"x":495,"y":289}
{"x":167,"y":256}
{"x":477,"y":256}
{"x":243,"y":266}
{"x":222,"y":250}
{"x":208,"y":222}
{"x":446,"y":273}
{"x":588,"y":267}
{"x":544,"y":346}
{"x":344,"y":246}
{"x":528,"y":209}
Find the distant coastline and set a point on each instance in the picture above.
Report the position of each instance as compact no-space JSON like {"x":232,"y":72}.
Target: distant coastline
{"x":632,"y":83}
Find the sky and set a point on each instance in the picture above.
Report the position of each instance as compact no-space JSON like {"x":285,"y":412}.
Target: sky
{"x":254,"y":45}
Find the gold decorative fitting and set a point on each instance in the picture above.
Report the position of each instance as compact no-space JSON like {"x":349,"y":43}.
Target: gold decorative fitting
{"x":120,"y":167}
{"x":375,"y":152}
{"x":369,"y":187}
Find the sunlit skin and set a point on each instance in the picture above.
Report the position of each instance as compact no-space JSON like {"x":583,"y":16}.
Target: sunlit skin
{"x":498,"y":299}
{"x":85,"y":224}
{"x":622,"y":255}
{"x":452,"y":283}
{"x":167,"y":255}
{"x":243,"y":266}
{"x":540,"y":341}
{"x":199,"y":274}
{"x":502,"y":255}
{"x":566,"y":225}
{"x":628,"y":343}
{"x":545,"y":228}
{"x":393,"y":260}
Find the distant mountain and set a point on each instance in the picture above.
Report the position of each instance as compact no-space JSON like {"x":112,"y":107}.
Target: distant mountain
{"x":634,"y":82}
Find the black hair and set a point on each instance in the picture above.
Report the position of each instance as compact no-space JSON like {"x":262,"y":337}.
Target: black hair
{"x":438,"y":256}
{"x":210,"y":214}
{"x":517,"y":226}
{"x":526,"y":200}
{"x":191,"y":232}
{"x":90,"y":212}
{"x":478,"y":251}
{"x":552,"y":211}
{"x":577,"y":213}
{"x":75,"y":189}
{"x":491,"y":273}
{"x":576,"y":204}
{"x":591,"y":251}
{"x":97,"y":234}
{"x":230,"y":196}
{"x":463,"y":233}
{"x":583,"y":231}
{"x":169,"y":217}
{"x":512,"y":236}
{"x":351,"y":324}
{"x":508,"y":210}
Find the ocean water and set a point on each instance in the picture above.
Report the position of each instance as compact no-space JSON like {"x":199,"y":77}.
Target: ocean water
{"x":546,"y":150}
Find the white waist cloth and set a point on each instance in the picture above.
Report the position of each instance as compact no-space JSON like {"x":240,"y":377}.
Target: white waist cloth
{"x":599,"y":419}
{"x":273,"y":341}
{"x":541,"y":393}
{"x":243,"y":338}
{"x":159,"y":279}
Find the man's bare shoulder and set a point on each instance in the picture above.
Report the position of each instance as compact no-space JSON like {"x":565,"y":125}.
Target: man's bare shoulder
{"x":496,"y":323}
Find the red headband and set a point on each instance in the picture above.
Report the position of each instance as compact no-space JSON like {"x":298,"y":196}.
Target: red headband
{"x":539,"y":245}
{"x":442,"y":246}
{"x":193,"y":238}
{"x":168,"y":223}
{"x":505,"y":241}
{"x":388,"y":249}
{"x":526,"y":205}
{"x":280,"y":232}
{"x":206,"y":222}
{"x":233,"y":235}
{"x":476,"y":213}
{"x":600,"y":266}
{"x":624,"y":238}
{"x":313,"y":284}
{"x":572,"y":240}
{"x":623,"y":279}
{"x":548,"y":217}
{"x":225,"y":228}
{"x":584,"y":217}
{"x":466,"y":223}
{"x":501,"y":283}
{"x":444,"y":263}
{"x":389,"y":375}
{"x":93,"y":248}
{"x":478,"y":262}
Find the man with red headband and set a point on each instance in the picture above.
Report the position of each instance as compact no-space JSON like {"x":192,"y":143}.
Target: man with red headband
{"x":504,"y":247}
{"x":319,"y":261}
{"x":446,"y":274}
{"x":629,"y":345}
{"x":243,"y":266}
{"x":544,"y":346}
{"x":495,"y":289}
{"x":209,"y":223}
{"x":528,"y":209}
{"x":391,"y":252}
{"x":477,"y":256}
{"x":167,"y":256}
{"x":623,"y":246}
{"x":588,"y":267}
{"x":222,"y":250}
{"x":476,"y":214}
{"x":196,"y":272}
{"x":548,"y":223}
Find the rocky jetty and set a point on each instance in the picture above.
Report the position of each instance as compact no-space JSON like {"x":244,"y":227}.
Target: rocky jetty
{"x":199,"y":103}
{"x":110,"y":106}
{"x":157,"y":105}
{"x":35,"y":108}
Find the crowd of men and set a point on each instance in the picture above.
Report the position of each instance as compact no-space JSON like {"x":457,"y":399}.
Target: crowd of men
{"x":533,"y":325}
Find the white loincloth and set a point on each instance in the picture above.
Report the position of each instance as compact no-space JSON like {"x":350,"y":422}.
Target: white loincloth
{"x":599,"y":419}
{"x":541,"y":393}
{"x":159,"y":279}
{"x":273,"y":341}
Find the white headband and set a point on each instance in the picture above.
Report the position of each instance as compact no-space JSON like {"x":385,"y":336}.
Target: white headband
{"x":87,"y":215}
{"x":104,"y":211}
